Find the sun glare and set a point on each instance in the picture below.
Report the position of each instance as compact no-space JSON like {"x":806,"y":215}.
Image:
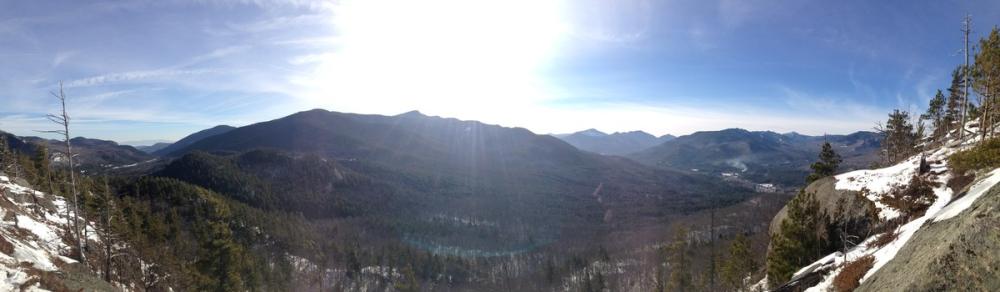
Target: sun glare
{"x":446,"y":57}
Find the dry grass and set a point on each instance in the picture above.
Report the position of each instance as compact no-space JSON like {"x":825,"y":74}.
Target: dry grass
{"x":911,"y":199}
{"x":46,"y":280}
{"x":5,"y":246}
{"x":884,"y":239}
{"x":958,"y":183}
{"x":850,"y":277}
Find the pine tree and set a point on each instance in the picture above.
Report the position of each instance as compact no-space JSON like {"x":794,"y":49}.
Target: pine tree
{"x":898,"y":137}
{"x":987,"y":80}
{"x":935,"y":114}
{"x":409,"y":282}
{"x":679,"y":262}
{"x":40,"y":160}
{"x":550,"y":270}
{"x":799,"y":241}
{"x":827,"y":165}
{"x":956,"y":93}
{"x":740,"y":264}
{"x":6,"y":155}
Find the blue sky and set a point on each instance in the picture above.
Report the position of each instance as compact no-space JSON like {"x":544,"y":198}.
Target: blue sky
{"x":159,"y":70}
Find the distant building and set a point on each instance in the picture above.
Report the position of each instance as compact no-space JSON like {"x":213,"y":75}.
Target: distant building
{"x":766,"y":188}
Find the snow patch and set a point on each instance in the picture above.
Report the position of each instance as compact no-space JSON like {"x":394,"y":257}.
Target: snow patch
{"x":977,"y":190}
{"x":34,"y":231}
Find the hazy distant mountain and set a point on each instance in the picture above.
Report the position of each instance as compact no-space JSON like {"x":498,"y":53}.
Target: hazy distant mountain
{"x":153,"y":148}
{"x":619,"y":143}
{"x":759,"y":156}
{"x":16,"y":143}
{"x":94,"y":155}
{"x":191,"y":139}
{"x":528,"y":189}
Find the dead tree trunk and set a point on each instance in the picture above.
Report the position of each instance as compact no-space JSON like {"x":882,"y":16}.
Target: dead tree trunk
{"x":62,"y":119}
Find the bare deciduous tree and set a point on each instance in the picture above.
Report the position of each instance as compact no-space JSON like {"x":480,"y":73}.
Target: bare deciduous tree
{"x":62,"y":119}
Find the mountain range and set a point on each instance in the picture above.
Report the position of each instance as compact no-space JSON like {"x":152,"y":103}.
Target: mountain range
{"x":529,"y":189}
{"x":618,"y":143}
{"x":91,"y":155}
{"x":458,"y":189}
{"x":153,"y":148}
{"x":760,"y":156}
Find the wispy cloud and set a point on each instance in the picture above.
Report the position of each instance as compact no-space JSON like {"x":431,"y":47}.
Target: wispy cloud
{"x":182,"y":69}
{"x":311,"y":58}
{"x":318,"y":5}
{"x":844,"y":109}
{"x":61,"y":57}
{"x":136,"y":76}
{"x":277,"y":23}
{"x":213,"y":55}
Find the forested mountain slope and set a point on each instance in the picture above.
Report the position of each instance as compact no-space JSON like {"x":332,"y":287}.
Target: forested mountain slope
{"x":93,"y":155}
{"x":191,"y":139}
{"x":413,"y":166}
{"x":761,"y":157}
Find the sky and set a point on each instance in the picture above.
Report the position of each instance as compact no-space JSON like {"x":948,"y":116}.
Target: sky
{"x":143,"y":71}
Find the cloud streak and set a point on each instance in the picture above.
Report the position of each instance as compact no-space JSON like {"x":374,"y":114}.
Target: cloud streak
{"x":133,"y":76}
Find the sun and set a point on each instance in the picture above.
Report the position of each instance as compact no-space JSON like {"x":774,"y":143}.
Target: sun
{"x":445,"y":57}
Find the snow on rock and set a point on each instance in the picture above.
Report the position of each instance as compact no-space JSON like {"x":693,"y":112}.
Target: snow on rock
{"x":34,"y":234}
{"x":878,"y":182}
{"x":977,"y":190}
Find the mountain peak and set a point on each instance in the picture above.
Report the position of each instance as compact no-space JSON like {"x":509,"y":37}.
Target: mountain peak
{"x":413,"y":113}
{"x":591,"y":132}
{"x":643,"y":133}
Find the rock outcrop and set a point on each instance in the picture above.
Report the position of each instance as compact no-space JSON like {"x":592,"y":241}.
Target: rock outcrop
{"x":959,"y":254}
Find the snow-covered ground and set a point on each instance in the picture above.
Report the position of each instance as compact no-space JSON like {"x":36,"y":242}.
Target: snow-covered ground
{"x":880,"y":182}
{"x":36,"y":237}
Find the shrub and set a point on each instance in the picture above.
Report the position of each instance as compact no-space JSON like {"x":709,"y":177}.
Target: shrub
{"x":46,"y":280}
{"x":6,"y":247}
{"x":984,"y":155}
{"x":884,"y":239}
{"x":913,"y":199}
{"x":958,"y":183}
{"x":850,"y":277}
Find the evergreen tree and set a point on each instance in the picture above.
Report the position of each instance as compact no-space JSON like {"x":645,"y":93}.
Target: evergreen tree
{"x":40,"y":161}
{"x":679,"y":262}
{"x":827,"y":165}
{"x":799,"y":242}
{"x":898,"y":137}
{"x":956,"y":93}
{"x":409,"y":282}
{"x":987,"y":80}
{"x":6,"y":156}
{"x":740,"y":265}
{"x":935,"y":114}
{"x":550,"y":270}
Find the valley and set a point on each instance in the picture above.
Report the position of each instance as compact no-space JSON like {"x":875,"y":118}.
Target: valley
{"x":440,"y":145}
